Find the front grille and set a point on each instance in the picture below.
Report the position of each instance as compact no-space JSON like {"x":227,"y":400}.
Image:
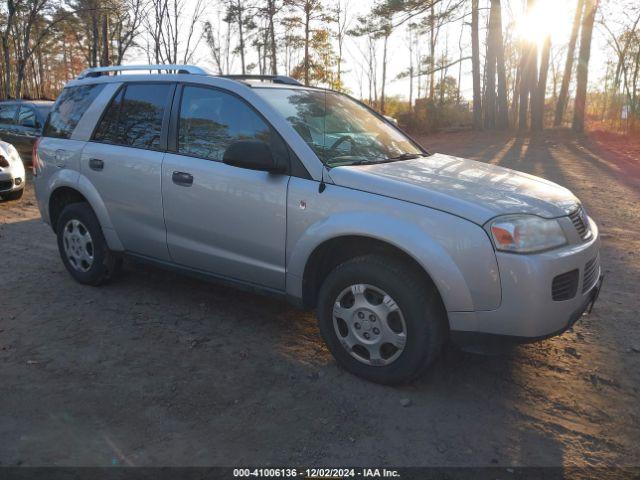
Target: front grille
{"x":565,"y":286}
{"x":590,"y":276}
{"x":579,"y":220}
{"x":5,"y":184}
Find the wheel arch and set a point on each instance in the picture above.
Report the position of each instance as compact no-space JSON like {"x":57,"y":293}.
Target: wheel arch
{"x":83,"y":191}
{"x":336,"y":250}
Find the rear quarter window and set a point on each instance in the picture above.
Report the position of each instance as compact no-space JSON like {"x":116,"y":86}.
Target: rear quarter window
{"x":68,"y":110}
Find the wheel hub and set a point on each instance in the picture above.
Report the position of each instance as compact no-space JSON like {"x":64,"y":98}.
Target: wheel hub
{"x":369,"y":324}
{"x":78,"y":245}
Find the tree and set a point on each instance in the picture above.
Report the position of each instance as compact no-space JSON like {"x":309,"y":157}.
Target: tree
{"x":475,"y":66}
{"x":343,"y":22}
{"x":568,"y":67}
{"x":311,"y":11}
{"x":502,"y":120}
{"x":582,"y":72}
{"x":540,"y":91}
{"x":237,"y":14}
{"x":528,"y":76}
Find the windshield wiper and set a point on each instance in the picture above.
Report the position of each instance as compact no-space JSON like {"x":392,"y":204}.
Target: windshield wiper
{"x":374,"y":161}
{"x":405,"y":156}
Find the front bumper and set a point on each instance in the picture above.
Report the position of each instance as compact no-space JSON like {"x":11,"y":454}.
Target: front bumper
{"x":12,"y":177}
{"x":10,"y":182}
{"x":527,"y":310}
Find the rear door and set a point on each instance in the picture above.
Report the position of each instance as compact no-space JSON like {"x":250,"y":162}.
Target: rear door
{"x":27,"y":129}
{"x":123,"y":161}
{"x":223,"y":219}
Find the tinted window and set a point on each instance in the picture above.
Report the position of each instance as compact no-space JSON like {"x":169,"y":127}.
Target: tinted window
{"x":27,"y":117}
{"x":134,"y":117}
{"x":7,"y":113}
{"x":211,"y":120}
{"x":69,"y":108}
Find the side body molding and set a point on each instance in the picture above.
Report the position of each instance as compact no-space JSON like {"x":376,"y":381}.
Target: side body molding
{"x":456,"y":253}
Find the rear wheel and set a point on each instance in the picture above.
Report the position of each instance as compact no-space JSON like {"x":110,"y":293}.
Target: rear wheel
{"x":380,"y":319}
{"x":83,"y":248}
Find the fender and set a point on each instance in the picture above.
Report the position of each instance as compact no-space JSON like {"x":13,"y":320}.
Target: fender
{"x":441,"y":243}
{"x":77,"y":181}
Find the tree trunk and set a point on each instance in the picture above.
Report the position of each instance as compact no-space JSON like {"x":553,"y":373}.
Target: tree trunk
{"x":528,"y":64}
{"x":502,"y":120}
{"x":432,"y":51}
{"x":241,"y":37}
{"x":490,"y":66}
{"x":272,"y":35}
{"x":307,"y":20}
{"x":537,"y":111}
{"x":104,"y":61}
{"x":384,"y":74}
{"x":94,"y":35}
{"x":568,"y":66}
{"x":475,"y":65}
{"x":582,"y":72}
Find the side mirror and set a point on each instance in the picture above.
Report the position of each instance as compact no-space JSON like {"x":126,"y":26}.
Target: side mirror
{"x":29,"y":123}
{"x":253,"y":155}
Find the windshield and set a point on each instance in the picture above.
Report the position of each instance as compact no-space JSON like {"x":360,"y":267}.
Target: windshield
{"x":339,"y":130}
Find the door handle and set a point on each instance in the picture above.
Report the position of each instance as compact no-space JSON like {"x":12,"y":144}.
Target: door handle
{"x":96,"y":164}
{"x":182,"y":178}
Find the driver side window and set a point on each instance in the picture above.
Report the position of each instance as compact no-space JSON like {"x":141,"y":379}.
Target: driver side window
{"x":211,"y":120}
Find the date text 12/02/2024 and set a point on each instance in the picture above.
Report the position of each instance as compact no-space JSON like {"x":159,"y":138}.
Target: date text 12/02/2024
{"x":316,"y":472}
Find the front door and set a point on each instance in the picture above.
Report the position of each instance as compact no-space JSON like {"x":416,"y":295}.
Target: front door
{"x":222,"y":219}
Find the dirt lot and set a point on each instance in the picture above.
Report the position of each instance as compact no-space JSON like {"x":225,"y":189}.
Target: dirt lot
{"x":158,"y":369}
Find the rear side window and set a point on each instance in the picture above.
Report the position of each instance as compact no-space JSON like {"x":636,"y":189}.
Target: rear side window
{"x":211,"y":120}
{"x":134,"y":117}
{"x":69,"y":108}
{"x":27,"y":117}
{"x":7,"y":114}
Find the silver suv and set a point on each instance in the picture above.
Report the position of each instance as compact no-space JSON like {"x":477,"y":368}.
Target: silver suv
{"x":310,"y":195}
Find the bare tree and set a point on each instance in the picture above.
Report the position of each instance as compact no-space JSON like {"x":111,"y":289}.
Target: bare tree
{"x":170,"y":35}
{"x":540,"y":91}
{"x":582,"y":72}
{"x":568,"y":66}
{"x":528,"y":76}
{"x":475,"y":65}
{"x":343,"y":22}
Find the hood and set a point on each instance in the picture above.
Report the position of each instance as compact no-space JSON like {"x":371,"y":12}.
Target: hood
{"x":473,"y":190}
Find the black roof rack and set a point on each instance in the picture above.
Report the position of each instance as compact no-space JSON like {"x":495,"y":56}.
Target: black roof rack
{"x":98,"y":71}
{"x":265,"y":78}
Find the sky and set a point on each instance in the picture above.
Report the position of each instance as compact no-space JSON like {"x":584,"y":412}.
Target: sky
{"x":552,"y":16}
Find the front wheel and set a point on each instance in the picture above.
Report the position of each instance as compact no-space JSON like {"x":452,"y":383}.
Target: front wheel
{"x":381,"y":319}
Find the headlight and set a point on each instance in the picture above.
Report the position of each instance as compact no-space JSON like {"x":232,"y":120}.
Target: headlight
{"x":526,"y":233}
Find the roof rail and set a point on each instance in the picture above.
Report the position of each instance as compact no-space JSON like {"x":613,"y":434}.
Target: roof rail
{"x":98,"y":71}
{"x":265,"y":78}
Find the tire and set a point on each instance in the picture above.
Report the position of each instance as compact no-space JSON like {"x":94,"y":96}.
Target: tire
{"x":421,"y":316}
{"x":15,"y":195}
{"x":75,"y":221}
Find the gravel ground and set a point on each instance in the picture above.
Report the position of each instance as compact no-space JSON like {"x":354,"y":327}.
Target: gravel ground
{"x":160,"y":369}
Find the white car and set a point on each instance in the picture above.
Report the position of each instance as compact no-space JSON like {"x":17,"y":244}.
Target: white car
{"x":12,"y":174}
